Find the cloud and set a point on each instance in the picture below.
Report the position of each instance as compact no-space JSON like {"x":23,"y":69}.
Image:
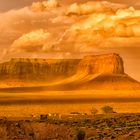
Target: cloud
{"x":92,"y":7}
{"x":44,"y":5}
{"x":31,"y":42}
{"x":123,"y":23}
{"x":96,"y":30}
{"x":128,"y":12}
{"x":100,"y":30}
{"x":100,"y":24}
{"x":16,"y":23}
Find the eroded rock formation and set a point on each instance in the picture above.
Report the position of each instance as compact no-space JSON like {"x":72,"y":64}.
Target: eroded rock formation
{"x":92,"y":72}
{"x":110,"y":63}
{"x":38,"y":69}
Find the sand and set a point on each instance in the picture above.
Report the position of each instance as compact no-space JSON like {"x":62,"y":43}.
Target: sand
{"x":64,"y":102}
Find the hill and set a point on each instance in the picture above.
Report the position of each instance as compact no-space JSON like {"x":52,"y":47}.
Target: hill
{"x":92,"y":72}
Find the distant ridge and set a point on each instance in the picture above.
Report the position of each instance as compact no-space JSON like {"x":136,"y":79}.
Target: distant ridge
{"x":101,"y":72}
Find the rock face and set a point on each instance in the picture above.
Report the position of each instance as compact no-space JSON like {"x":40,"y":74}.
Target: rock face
{"x":37,"y":69}
{"x":103,"y":64}
{"x":102,"y":72}
{"x":92,"y":72}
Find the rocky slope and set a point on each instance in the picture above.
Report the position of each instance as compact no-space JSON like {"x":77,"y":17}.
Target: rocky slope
{"x":92,"y":72}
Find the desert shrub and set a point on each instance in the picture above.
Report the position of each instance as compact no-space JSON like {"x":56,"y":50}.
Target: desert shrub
{"x":107,"y":109}
{"x":94,"y":111}
{"x":80,"y":135}
{"x":87,"y":121}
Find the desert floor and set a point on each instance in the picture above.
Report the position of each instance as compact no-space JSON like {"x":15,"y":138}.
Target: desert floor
{"x":64,"y":102}
{"x":114,"y":126}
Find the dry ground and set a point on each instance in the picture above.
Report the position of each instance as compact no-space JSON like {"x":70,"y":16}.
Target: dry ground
{"x":99,"y":127}
{"x":64,"y":102}
{"x":19,"y":124}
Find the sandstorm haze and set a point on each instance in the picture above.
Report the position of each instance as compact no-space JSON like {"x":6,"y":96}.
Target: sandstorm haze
{"x":65,"y":29}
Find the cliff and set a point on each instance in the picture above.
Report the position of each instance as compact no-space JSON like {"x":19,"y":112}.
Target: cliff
{"x":38,"y":69}
{"x":102,"y":72}
{"x":103,"y":64}
{"x":92,"y":72}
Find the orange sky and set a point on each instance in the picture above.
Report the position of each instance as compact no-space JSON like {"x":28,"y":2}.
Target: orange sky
{"x":10,"y":4}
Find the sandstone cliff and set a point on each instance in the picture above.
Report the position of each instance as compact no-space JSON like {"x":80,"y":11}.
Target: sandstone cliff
{"x":104,"y":72}
{"x":37,"y":69}
{"x":92,"y":72}
{"x":111,"y":63}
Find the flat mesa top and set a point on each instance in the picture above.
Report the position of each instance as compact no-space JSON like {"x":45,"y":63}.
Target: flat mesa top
{"x":41,"y":60}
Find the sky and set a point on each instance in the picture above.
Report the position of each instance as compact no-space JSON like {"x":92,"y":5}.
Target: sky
{"x":62,"y":29}
{"x":10,"y":4}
